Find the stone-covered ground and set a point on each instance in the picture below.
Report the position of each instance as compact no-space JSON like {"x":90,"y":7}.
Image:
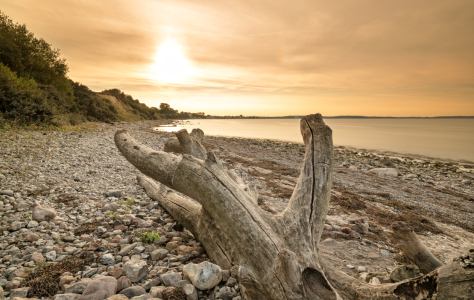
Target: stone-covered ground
{"x":75,"y":224}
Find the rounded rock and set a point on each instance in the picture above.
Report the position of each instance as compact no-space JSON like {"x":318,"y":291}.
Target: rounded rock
{"x":135,"y":270}
{"x":107,"y":259}
{"x":41,"y":213}
{"x":204,"y":276}
{"x":100,"y":289}
{"x":346,"y":230}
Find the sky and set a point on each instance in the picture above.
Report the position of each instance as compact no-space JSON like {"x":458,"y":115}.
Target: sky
{"x":268,"y":57}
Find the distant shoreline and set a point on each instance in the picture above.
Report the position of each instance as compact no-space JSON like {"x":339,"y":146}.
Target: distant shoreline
{"x":339,"y":117}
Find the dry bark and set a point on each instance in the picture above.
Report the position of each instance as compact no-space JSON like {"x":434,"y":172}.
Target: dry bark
{"x":278,"y":255}
{"x":406,"y":239}
{"x":187,"y":143}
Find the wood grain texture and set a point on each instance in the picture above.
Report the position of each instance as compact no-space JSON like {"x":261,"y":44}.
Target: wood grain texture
{"x":406,"y":239}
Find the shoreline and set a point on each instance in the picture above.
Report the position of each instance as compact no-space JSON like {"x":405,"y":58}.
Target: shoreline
{"x":424,"y":168}
{"x":386,"y":152}
{"x":382,"y":153}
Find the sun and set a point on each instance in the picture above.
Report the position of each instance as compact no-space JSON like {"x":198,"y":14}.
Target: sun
{"x":171,"y":64}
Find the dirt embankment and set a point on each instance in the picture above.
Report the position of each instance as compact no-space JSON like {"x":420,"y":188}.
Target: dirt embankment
{"x":125,"y":112}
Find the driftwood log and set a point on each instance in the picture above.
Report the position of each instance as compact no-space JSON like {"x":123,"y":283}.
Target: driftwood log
{"x":276,"y":255}
{"x":406,"y":240}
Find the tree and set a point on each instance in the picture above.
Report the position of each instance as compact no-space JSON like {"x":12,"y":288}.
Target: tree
{"x":276,"y":256}
{"x":32,"y":57}
{"x":165,"y":108}
{"x":21,"y":99}
{"x":167,"y":111}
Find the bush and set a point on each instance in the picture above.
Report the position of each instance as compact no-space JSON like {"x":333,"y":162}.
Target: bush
{"x":31,"y":57}
{"x":21,"y":99}
{"x":93,"y":107}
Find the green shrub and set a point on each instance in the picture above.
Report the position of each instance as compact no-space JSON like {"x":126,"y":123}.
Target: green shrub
{"x":149,"y":237}
{"x":32,"y":57}
{"x":22,"y":99}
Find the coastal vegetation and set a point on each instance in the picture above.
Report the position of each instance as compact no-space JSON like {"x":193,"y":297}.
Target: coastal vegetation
{"x":35,"y":88}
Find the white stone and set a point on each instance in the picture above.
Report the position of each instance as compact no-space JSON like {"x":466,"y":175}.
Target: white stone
{"x":204,"y":276}
{"x":374,"y":281}
{"x":50,"y":256}
{"x":361,"y":269}
{"x":45,"y":213}
{"x":107,"y":259}
{"x":385,"y":171}
{"x":135,"y":270}
{"x":67,"y":297}
{"x":170,"y":279}
{"x":32,"y":224}
{"x":190,"y":291}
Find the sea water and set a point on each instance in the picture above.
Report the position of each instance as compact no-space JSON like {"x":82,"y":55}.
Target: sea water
{"x":438,"y":138}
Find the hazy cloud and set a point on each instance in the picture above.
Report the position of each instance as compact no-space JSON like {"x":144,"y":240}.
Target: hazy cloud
{"x":272,"y":57}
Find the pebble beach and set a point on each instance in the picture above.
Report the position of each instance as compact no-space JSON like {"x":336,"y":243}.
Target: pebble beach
{"x":75,"y":224}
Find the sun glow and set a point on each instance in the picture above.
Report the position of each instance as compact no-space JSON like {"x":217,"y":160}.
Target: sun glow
{"x":171,"y":64}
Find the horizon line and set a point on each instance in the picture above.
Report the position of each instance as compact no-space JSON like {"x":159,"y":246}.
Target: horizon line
{"x":345,"y":116}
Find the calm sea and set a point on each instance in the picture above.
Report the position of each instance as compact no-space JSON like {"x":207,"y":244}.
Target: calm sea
{"x":437,"y":138}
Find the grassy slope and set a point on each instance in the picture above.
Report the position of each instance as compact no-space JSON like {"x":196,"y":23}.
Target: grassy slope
{"x":124,"y":111}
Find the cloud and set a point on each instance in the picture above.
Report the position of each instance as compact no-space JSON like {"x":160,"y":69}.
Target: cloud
{"x":339,"y":55}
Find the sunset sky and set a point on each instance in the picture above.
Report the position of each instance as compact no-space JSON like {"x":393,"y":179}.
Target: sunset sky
{"x":268,"y":57}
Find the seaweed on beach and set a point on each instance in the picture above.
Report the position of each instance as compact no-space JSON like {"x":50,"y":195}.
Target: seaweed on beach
{"x":278,"y":191}
{"x":174,"y":294}
{"x":90,"y":227}
{"x":277,"y":168}
{"x":40,"y":192}
{"x":349,"y":201}
{"x":44,"y":281}
{"x":86,"y":228}
{"x":407,"y":213}
{"x":454,"y":193}
{"x":382,"y":195}
{"x":66,"y":199}
{"x":354,"y":202}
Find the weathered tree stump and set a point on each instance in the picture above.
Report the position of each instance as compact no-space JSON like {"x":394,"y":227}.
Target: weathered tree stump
{"x":277,"y":255}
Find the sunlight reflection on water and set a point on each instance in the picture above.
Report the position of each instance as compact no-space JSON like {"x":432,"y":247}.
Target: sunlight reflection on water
{"x":168,"y":128}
